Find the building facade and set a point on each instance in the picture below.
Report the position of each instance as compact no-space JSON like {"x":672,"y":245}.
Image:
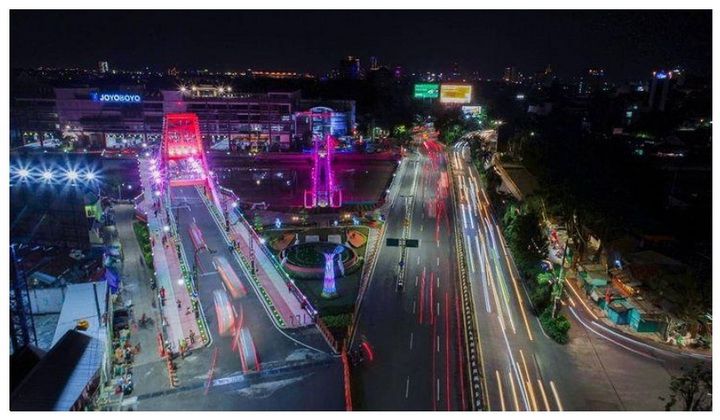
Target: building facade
{"x":96,"y":118}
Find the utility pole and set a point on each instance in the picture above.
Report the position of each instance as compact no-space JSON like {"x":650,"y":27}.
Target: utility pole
{"x":560,"y":284}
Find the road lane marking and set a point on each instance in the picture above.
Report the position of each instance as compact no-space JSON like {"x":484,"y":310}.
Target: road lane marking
{"x":555,"y":394}
{"x":438,"y":261}
{"x":411,"y":340}
{"x":438,"y":343}
{"x":500,"y":390}
{"x":407,"y":387}
{"x":544,"y":396}
{"x":418,"y":260}
{"x":416,"y":281}
{"x":438,"y":282}
{"x":414,"y":302}
{"x":438,"y":389}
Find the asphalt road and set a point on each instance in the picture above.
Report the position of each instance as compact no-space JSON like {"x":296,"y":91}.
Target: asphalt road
{"x":293,"y":373}
{"x":598,"y":369}
{"x":417,"y":348}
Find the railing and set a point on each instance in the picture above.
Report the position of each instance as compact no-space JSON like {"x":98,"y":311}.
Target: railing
{"x":470,"y":328}
{"x":253,"y":236}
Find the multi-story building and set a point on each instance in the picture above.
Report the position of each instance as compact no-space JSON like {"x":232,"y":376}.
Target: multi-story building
{"x":660,"y":86}
{"x":350,"y":68}
{"x":97,"y":118}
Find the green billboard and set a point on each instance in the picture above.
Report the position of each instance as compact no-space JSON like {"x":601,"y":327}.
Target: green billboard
{"x":427,"y":90}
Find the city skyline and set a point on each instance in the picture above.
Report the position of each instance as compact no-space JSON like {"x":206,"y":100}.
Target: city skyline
{"x":628,"y":44}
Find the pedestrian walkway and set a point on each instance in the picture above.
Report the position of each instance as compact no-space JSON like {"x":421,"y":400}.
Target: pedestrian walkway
{"x":268,"y":276}
{"x":179,"y":315}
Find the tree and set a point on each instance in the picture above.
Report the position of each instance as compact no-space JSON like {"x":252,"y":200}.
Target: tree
{"x":540,"y":298}
{"x":527,"y":240}
{"x":692,"y":389}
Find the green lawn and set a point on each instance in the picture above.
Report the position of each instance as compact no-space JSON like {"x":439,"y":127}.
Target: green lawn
{"x":143,"y":237}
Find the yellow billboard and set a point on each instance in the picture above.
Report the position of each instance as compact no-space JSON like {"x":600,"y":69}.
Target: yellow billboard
{"x":455,"y":94}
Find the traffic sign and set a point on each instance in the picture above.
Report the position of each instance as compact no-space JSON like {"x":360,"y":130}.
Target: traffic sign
{"x":392,"y":242}
{"x":410,"y":243}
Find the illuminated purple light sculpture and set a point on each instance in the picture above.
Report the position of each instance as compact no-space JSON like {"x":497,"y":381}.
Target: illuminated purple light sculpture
{"x":329,"y":290}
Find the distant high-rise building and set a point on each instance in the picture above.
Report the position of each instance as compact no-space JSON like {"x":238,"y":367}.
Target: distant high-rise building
{"x":373,"y":63}
{"x":103,"y":66}
{"x":592,"y":81}
{"x":511,"y":75}
{"x":350,"y":68}
{"x":456,"y":75}
{"x":660,"y":86}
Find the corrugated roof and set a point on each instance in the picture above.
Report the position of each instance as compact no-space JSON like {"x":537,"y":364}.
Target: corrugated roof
{"x":58,"y":380}
{"x":84,"y":301}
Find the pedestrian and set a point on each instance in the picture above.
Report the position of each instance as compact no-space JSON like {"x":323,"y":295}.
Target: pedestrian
{"x":192,"y":337}
{"x":162,"y":293}
{"x":179,"y":304}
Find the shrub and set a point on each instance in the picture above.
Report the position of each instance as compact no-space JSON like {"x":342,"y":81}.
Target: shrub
{"x":557,"y":328}
{"x":337,"y":321}
{"x":540,"y":298}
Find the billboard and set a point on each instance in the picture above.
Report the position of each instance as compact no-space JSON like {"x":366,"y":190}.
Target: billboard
{"x":455,"y":94}
{"x":471,"y":111}
{"x":427,"y":90}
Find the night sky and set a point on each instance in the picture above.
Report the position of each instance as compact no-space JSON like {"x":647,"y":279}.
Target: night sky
{"x":627,"y":43}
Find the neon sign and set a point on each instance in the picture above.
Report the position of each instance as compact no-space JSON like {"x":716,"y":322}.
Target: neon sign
{"x":117,"y":97}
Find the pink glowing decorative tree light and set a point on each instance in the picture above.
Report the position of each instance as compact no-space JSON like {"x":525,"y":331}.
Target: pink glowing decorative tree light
{"x":324,"y":192}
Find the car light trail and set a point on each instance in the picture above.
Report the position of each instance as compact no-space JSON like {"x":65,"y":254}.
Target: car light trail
{"x":484,"y":280}
{"x":555,"y":394}
{"x":515,"y":286}
{"x":515,"y":367}
{"x":529,"y":382}
{"x":544,"y":396}
{"x":514,"y":393}
{"x":582,"y":301}
{"x":572,"y":310}
{"x":470,"y":257}
{"x":500,"y":391}
{"x":459,"y":350}
{"x":447,"y":350}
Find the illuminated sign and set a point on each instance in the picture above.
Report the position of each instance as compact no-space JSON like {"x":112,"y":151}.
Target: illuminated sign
{"x":472,"y":111}
{"x":455,"y":94}
{"x":117,"y":97}
{"x":427,"y":90}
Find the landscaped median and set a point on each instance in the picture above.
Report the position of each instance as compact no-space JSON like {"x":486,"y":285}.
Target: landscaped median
{"x":299,"y":254}
{"x":142,"y":233}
